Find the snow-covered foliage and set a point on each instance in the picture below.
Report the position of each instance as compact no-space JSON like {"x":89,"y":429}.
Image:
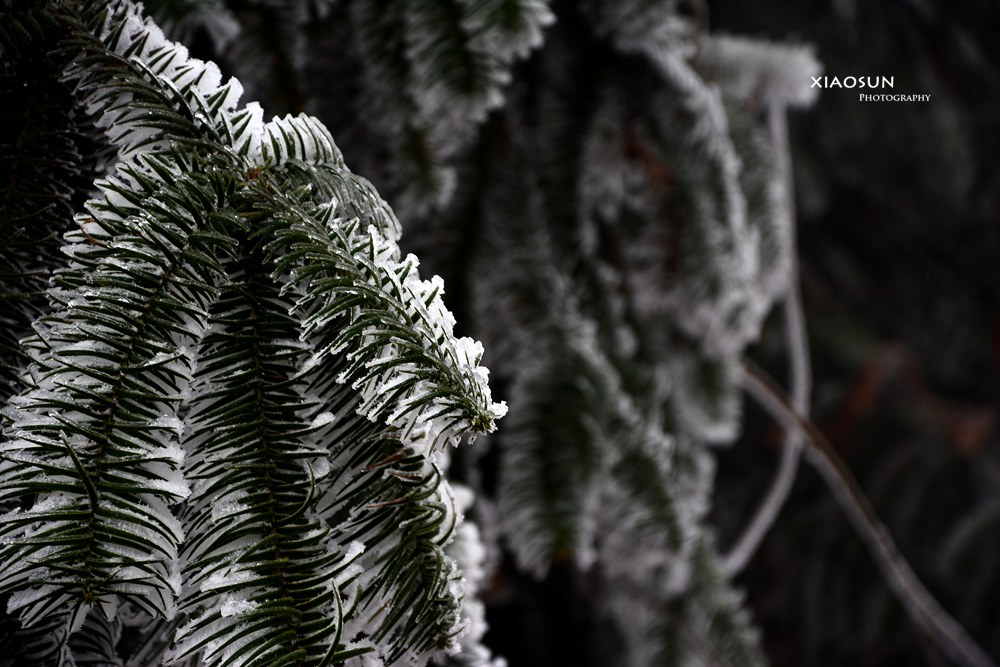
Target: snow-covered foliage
{"x":619,"y":297}
{"x":229,"y":394}
{"x":434,"y":70}
{"x":762,"y":73}
{"x":227,"y":435}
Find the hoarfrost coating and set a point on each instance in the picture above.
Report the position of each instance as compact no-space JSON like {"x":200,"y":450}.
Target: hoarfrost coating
{"x":179,"y":485}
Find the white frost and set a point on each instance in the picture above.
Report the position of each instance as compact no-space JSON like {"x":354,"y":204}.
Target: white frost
{"x":322,"y":419}
{"x":750,"y":69}
{"x":234,"y":605}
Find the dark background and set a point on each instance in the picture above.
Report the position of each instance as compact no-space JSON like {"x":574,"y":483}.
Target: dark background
{"x":899,"y":245}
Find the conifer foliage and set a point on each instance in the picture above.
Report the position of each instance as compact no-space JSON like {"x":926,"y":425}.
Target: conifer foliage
{"x":225,"y":445}
{"x":230,"y":398}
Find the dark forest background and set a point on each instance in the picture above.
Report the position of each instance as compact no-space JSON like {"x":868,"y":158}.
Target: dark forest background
{"x":899,"y":246}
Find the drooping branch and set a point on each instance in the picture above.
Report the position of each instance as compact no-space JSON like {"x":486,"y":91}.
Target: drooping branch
{"x":791,"y":452}
{"x":798,"y":358}
{"x":919,"y":604}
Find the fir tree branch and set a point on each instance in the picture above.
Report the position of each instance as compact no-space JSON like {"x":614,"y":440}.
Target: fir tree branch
{"x":920,"y":605}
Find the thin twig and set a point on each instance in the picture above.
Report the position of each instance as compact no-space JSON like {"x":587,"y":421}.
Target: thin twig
{"x":767,"y":513}
{"x":921,"y":606}
{"x":798,"y":361}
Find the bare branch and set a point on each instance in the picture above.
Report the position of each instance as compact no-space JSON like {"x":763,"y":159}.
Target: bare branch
{"x":922,"y":608}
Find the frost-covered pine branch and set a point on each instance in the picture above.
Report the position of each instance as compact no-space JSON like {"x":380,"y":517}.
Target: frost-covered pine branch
{"x":230,"y":396}
{"x":228,"y":434}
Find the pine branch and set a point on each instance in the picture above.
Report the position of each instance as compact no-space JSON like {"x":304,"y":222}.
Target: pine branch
{"x":260,"y":567}
{"x":45,"y":172}
{"x":226,"y":264}
{"x":922,"y":608}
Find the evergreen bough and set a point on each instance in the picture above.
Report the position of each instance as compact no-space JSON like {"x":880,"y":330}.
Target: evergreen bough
{"x":226,"y":444}
{"x":230,"y":397}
